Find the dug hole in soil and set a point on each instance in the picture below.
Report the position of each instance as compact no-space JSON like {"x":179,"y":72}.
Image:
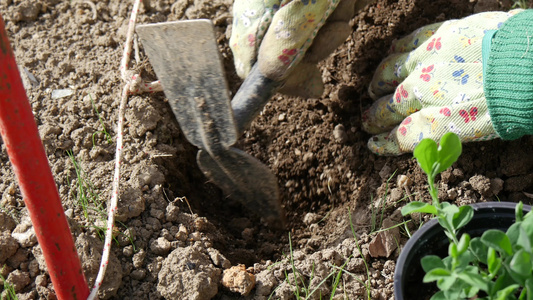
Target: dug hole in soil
{"x":177,"y":233}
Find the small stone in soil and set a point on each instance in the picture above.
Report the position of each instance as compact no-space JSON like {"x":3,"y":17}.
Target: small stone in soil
{"x":18,"y":279}
{"x":385,"y":242}
{"x":237,"y":280}
{"x":339,"y":133}
{"x":311,"y":218}
{"x":160,"y":246}
{"x":8,"y":247}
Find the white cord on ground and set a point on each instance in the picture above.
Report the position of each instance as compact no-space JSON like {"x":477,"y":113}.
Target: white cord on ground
{"x":118,"y":156}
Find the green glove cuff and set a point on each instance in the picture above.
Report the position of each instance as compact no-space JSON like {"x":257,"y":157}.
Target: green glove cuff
{"x":508,"y":80}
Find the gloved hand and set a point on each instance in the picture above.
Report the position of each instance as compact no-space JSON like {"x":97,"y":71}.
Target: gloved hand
{"x":432,"y":83}
{"x":287,"y":38}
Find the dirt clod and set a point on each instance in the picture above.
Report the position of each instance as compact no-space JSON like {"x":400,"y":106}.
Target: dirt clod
{"x":90,"y":253}
{"x":238,"y":280}
{"x":161,"y":246}
{"x":8,"y":247}
{"x":384,"y":244}
{"x":18,"y":279}
{"x":188,"y":273}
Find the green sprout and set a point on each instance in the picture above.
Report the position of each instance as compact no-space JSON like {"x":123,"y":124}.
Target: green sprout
{"x":496,"y":266}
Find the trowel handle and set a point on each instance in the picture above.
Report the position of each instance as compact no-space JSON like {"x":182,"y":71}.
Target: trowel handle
{"x":251,"y":97}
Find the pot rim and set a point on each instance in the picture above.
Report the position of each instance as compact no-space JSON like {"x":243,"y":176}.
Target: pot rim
{"x":429,"y":226}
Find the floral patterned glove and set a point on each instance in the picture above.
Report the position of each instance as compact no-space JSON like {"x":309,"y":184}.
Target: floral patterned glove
{"x":287,"y":38}
{"x":432,"y":83}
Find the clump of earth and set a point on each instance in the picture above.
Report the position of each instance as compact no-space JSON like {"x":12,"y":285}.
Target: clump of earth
{"x":179,"y":236}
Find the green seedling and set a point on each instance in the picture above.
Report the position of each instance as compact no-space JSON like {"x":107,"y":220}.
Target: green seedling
{"x":104,"y":131}
{"x":298,"y":281}
{"x":433,"y":160}
{"x":88,"y":199}
{"x":87,"y":196}
{"x":377,"y":221}
{"x":496,"y":266}
{"x":367,"y":283}
{"x":9,"y":290}
{"x":520,"y":4}
{"x":13,"y":213}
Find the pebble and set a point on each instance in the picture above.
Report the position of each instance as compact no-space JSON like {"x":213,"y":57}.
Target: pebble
{"x":385,"y":242}
{"x":6,"y":222}
{"x":138,"y":259}
{"x":24,"y":233}
{"x":481,"y":184}
{"x":201,"y":224}
{"x":172,"y":212}
{"x":311,"y":218}
{"x":127,"y":251}
{"x":404,"y":181}
{"x":18,"y":279}
{"x":182,"y":233}
{"x":41,"y":280}
{"x":195,"y":236}
{"x":339,"y":133}
{"x":138,"y":274}
{"x":157,"y":213}
{"x":33,"y":268}
{"x":237,"y":280}
{"x":218,"y":259}
{"x":161,"y":246}
{"x":395,"y":195}
{"x":496,"y":185}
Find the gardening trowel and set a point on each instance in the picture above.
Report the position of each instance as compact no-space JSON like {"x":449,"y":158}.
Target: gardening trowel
{"x":185,"y":57}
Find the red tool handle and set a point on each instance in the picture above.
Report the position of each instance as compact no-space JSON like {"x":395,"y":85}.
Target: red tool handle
{"x":30,"y":164}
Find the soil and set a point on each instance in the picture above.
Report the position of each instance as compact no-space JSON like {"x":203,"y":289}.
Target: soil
{"x":180,"y":238}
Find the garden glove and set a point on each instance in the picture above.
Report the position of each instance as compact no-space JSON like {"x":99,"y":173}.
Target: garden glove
{"x":287,"y":38}
{"x":472,"y":76}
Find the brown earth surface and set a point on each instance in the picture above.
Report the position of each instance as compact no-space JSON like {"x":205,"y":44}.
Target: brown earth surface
{"x":179,"y":234}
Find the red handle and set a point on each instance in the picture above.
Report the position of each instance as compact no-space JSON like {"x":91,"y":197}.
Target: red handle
{"x":30,"y":164}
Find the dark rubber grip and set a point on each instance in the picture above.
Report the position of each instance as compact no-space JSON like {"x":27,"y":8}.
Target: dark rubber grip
{"x":251,"y":97}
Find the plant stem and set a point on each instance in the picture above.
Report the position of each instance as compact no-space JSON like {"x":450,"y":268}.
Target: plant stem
{"x":433,"y":191}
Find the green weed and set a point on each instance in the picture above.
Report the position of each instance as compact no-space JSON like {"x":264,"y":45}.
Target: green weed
{"x":87,"y":196}
{"x":13,"y":213}
{"x":88,"y":199}
{"x":104,"y":131}
{"x":367,"y":283}
{"x":377,"y":213}
{"x":9,"y":289}
{"x":520,"y":4}
{"x":302,"y":290}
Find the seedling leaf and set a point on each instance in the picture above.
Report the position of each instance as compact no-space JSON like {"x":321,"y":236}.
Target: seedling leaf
{"x":430,"y":262}
{"x":523,"y":240}
{"x":494,"y":263}
{"x":449,"y":150}
{"x":479,"y":250}
{"x":463,"y":243}
{"x":502,"y":294}
{"x":464,"y":216}
{"x":426,"y":154}
{"x":521,"y":263}
{"x":420,"y":207}
{"x":439,"y":296}
{"x":436,"y":274}
{"x":519,"y":213}
{"x":497,"y":240}
{"x":473,"y":279}
{"x":529,"y":288}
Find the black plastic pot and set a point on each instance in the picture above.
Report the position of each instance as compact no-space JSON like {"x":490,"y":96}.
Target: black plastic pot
{"x":431,"y":240}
